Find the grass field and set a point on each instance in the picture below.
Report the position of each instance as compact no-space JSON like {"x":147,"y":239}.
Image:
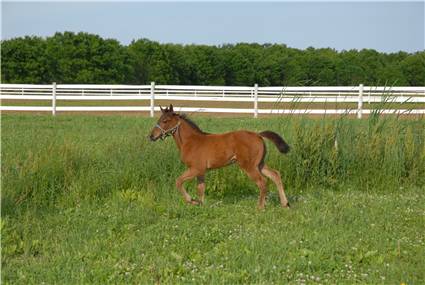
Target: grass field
{"x":89,"y":200}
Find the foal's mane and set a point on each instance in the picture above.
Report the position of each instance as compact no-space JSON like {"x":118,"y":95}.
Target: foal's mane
{"x":192,"y":124}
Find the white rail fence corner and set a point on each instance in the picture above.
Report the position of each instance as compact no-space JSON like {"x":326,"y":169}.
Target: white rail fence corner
{"x":54,"y":99}
{"x":152,"y":99}
{"x":336,"y":99}
{"x":255,"y":100}
{"x":360,"y":102}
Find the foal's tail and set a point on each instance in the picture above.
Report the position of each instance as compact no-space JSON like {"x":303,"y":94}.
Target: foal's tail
{"x":282,"y":146}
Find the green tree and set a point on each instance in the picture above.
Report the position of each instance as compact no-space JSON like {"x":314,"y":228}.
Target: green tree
{"x":141,"y":52}
{"x":206,"y":65}
{"x":241,"y":63}
{"x":413,"y":68}
{"x":271,"y":65}
{"x":348,"y":69}
{"x":24,"y":61}
{"x":86,"y":58}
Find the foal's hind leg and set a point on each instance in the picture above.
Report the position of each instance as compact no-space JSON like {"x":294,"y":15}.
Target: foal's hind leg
{"x":260,"y":180}
{"x":274,"y":175}
{"x":187,"y":175}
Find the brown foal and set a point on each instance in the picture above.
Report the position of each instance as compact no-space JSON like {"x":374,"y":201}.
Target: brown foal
{"x":201,"y":151}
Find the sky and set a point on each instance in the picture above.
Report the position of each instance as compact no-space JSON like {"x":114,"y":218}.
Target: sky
{"x":384,"y":26}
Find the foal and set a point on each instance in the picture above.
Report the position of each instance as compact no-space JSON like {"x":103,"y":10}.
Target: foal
{"x":201,"y":151}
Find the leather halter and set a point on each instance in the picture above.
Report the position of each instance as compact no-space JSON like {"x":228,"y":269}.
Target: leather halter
{"x":169,"y":132}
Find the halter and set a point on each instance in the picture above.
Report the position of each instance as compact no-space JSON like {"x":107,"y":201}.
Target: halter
{"x":169,"y":132}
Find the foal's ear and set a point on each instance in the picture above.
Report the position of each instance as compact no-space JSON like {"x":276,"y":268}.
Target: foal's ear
{"x":171,"y":108}
{"x":162,"y":110}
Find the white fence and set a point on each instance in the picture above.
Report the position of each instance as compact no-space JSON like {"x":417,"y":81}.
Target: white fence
{"x":328,"y":96}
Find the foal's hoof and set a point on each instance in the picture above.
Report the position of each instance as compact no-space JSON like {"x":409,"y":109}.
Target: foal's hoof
{"x":195,"y":202}
{"x":286,"y":206}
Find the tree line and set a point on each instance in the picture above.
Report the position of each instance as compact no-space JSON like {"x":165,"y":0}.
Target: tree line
{"x":87,"y":58}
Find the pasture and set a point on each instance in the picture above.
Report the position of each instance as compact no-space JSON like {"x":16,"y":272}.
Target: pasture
{"x":88,"y":199}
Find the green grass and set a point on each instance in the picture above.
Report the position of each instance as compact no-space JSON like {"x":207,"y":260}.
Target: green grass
{"x":89,"y":199}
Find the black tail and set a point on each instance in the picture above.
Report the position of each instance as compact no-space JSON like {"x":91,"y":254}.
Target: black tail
{"x":282,"y":146}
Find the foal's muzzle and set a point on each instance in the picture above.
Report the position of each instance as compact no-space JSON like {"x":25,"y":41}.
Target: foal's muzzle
{"x":153,"y":138}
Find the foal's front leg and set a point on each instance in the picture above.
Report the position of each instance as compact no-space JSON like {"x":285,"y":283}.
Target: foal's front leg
{"x":201,"y":188}
{"x":187,"y":175}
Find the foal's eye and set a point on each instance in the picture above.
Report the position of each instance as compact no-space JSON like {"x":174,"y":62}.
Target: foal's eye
{"x":165,"y":121}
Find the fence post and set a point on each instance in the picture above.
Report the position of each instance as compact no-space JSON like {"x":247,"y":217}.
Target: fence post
{"x":255,"y":100}
{"x":360,"y":103}
{"x":54,"y":99}
{"x":152,"y":99}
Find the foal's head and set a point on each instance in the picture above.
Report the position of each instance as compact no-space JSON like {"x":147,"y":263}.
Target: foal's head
{"x":166,"y":125}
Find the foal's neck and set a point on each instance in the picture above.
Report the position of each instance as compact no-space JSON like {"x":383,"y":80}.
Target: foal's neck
{"x":185,"y":134}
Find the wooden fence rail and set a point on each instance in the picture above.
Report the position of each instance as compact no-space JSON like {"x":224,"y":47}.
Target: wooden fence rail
{"x":412,"y":97}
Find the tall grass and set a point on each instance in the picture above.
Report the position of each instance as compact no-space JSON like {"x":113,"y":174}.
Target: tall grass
{"x":61,"y":161}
